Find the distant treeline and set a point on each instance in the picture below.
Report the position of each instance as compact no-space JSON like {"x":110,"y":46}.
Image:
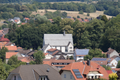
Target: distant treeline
{"x":11,"y":10}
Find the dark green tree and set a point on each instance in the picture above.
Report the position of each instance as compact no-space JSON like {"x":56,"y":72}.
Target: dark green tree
{"x":38,"y":56}
{"x":3,"y":52}
{"x":13,"y":60}
{"x":118,"y":65}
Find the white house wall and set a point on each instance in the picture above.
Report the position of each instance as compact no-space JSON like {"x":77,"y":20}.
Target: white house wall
{"x":79,"y":57}
{"x":68,"y":74}
{"x":70,"y":48}
{"x":63,"y":49}
{"x":114,"y":53}
{"x":47,"y":49}
{"x":48,"y":56}
{"x":113,"y":62}
{"x":58,"y":48}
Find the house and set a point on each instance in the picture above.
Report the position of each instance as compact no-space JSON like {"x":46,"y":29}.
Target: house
{"x":57,"y":63}
{"x":10,"y":54}
{"x":111,"y":52}
{"x":34,"y":72}
{"x":80,"y":53}
{"x":106,"y":61}
{"x":26,"y":19}
{"x":83,"y":71}
{"x":48,"y":56}
{"x":17,"y":20}
{"x":63,"y":42}
{"x":59,"y":55}
{"x":26,"y":53}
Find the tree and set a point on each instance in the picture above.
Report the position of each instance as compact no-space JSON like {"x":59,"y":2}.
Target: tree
{"x":118,"y":65}
{"x":3,"y":73}
{"x":88,"y":14}
{"x":106,"y":67}
{"x":94,"y":53}
{"x":104,"y":18}
{"x":39,"y":56}
{"x":41,"y":19}
{"x":68,"y":29}
{"x":13,"y":60}
{"x":80,"y":12}
{"x":2,"y":53}
{"x":113,"y":76}
{"x":78,"y":16}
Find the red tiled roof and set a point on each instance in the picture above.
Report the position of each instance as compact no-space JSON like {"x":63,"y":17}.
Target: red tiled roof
{"x":27,"y":19}
{"x":10,"y":54}
{"x":24,"y":59}
{"x":109,"y":71}
{"x":4,"y":39}
{"x":51,"y":49}
{"x":45,"y":54}
{"x":11,"y":47}
{"x":16,"y":20}
{"x":23,"y":23}
{"x":86,"y":20}
{"x":84,"y":69}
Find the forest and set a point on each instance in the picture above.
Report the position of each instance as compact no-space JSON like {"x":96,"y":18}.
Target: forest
{"x":24,"y":10}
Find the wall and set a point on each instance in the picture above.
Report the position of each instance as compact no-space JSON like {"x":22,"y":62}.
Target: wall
{"x":113,"y":62}
{"x":47,"y":49}
{"x":79,"y":57}
{"x":114,"y":53}
{"x":68,"y":74}
{"x":48,"y":56}
{"x":63,"y":49}
{"x":70,"y":49}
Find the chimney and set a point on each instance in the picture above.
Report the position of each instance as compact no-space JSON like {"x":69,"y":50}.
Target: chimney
{"x":64,"y":33}
{"x":88,"y":62}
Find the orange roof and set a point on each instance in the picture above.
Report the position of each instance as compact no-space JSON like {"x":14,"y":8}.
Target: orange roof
{"x":55,"y":53}
{"x":19,"y":48}
{"x":84,"y":68}
{"x":3,"y":43}
{"x":10,"y":54}
{"x":16,"y":20}
{"x":25,"y":59}
{"x":11,"y":47}
{"x":56,"y":61}
{"x":23,"y":23}
{"x":51,"y":49}
{"x":27,"y":19}
{"x":45,"y":54}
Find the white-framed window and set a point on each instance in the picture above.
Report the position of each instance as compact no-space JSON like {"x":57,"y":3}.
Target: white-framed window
{"x":64,"y":75}
{"x":71,"y":76}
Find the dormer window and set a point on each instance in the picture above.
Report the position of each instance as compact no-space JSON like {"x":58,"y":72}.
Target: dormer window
{"x":14,"y":77}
